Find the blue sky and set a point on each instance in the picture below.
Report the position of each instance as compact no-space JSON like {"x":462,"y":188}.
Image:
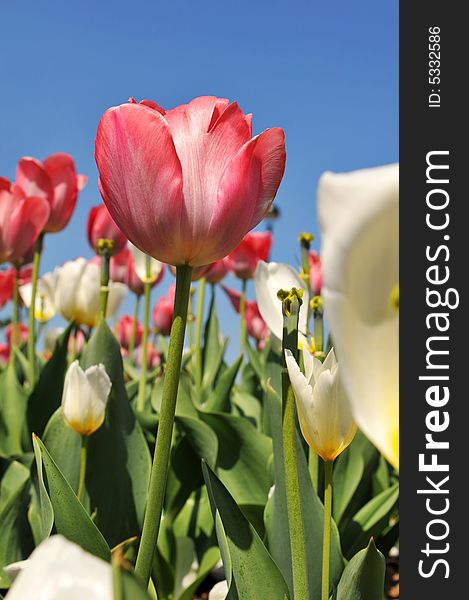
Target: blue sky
{"x":327,"y":72}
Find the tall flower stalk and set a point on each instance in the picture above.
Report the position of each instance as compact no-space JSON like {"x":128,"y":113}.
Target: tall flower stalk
{"x":104,"y":250}
{"x":32,"y":310}
{"x":242,"y":316}
{"x":291,"y":302}
{"x":198,"y":335}
{"x":133,"y":335}
{"x":159,"y":472}
{"x":326,"y":540}
{"x":146,"y":325}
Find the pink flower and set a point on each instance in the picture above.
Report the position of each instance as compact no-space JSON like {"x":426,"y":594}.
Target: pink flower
{"x":197,"y":272}
{"x":186,"y":185}
{"x":21,"y":221}
{"x":118,"y":266}
{"x":7,"y":280}
{"x":153,"y":356}
{"x":255,"y":324}
{"x":122,"y":269}
{"x":163,"y":312}
{"x":76,"y":344}
{"x":216,"y":271}
{"x":253,"y":248}
{"x":124,"y":331}
{"x":4,"y":353}
{"x":315,"y":273}
{"x":101,"y":226}
{"x":22,"y":334}
{"x":56,"y":181}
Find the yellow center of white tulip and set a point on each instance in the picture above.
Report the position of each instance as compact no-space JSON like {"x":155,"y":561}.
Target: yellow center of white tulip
{"x":394,"y":298}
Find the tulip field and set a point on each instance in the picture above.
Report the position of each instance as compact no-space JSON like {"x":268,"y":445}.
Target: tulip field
{"x":145,"y":455}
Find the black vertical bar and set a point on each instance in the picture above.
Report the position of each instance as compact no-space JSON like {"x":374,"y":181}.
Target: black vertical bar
{"x":433,"y":358}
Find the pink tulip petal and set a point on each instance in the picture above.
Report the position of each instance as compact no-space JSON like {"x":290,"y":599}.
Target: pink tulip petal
{"x":247,"y":188}
{"x":27,"y":221}
{"x":60,"y":168}
{"x":141,"y":179}
{"x":31,"y":176}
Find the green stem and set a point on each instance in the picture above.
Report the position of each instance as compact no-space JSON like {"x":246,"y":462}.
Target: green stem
{"x":73,"y":353}
{"x":326,"y":542}
{"x":198,"y":336}
{"x":291,"y":449}
{"x":117,"y":580}
{"x":15,"y":317}
{"x":83,"y":456}
{"x":190,"y":322}
{"x":32,"y":310}
{"x":146,"y":324}
{"x":104,"y":293}
{"x":133,"y":334}
{"x":156,"y":492}
{"x":313,"y":467}
{"x":319,"y":330}
{"x":242,"y":314}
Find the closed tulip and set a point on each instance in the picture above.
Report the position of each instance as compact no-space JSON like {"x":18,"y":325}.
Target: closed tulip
{"x":216,"y":272}
{"x":324,"y":411}
{"x":85,"y":397}
{"x":270,"y":278}
{"x":358,"y":214}
{"x":315,"y":273}
{"x":45,"y":307}
{"x":125,"y":327}
{"x":186,"y":185}
{"x":163,"y":312}
{"x":54,"y":180}
{"x":101,"y":226}
{"x":255,"y":324}
{"x":77,"y":292}
{"x":146,"y":267}
{"x":22,"y":219}
{"x":253,"y":248}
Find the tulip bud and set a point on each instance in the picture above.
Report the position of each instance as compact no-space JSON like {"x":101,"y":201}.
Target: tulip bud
{"x":146,"y":267}
{"x":253,"y":248}
{"x":324,"y":411}
{"x":100,"y":226}
{"x":85,"y":397}
{"x":163,"y":312}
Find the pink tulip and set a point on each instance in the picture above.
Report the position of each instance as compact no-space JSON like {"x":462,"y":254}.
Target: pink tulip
{"x":244,"y":258}
{"x":56,"y":181}
{"x":124,"y":331}
{"x":186,"y":185}
{"x":4,"y":353}
{"x":197,"y":272}
{"x":315,"y":272}
{"x":255,"y":324}
{"x":153,"y":356}
{"x":118,"y":266}
{"x":7,"y":280}
{"x":216,"y":271}
{"x":21,"y":221}
{"x":163,"y":312}
{"x":22,"y":334}
{"x":100,"y":226}
{"x":76,"y":345}
{"x":122,"y":269}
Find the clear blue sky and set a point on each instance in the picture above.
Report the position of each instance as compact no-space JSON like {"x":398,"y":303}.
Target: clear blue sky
{"x":326,"y":72}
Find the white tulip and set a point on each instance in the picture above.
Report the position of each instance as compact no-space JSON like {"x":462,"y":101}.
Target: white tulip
{"x":78,"y":289}
{"x":219,"y":591}
{"x":45,"y":307}
{"x":58,"y":570}
{"x":324,"y":411}
{"x":358,"y":214}
{"x":269,"y":279}
{"x":51,"y":336}
{"x":85,"y":397}
{"x":141,"y":260}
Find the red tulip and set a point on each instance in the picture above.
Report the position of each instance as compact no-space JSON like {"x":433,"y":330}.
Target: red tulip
{"x":122,"y":268}
{"x":7,"y":280}
{"x":21,"y":221}
{"x":163,"y":312}
{"x":216,"y":271}
{"x":186,"y":185}
{"x":100,"y":226}
{"x":4,"y":353}
{"x":22,"y":334}
{"x":56,"y":181}
{"x":315,"y":272}
{"x":255,"y":324}
{"x":253,"y":248}
{"x":124,"y":331}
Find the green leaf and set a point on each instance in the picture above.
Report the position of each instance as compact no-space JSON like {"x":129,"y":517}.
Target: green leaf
{"x":206,"y":566}
{"x":119,"y":461}
{"x":214,"y":347}
{"x":257,"y":363}
{"x":219,"y":398}
{"x":249,"y":407}
{"x":46,"y":511}
{"x":243,"y":456}
{"x":370,"y":520}
{"x":363,"y":577}
{"x":46,"y":397}
{"x":13,"y":400}
{"x":248,"y":564}
{"x":70,"y":517}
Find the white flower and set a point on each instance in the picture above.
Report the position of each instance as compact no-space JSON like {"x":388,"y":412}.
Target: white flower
{"x":141,"y":261}
{"x":269,"y":279}
{"x":85,"y":397}
{"x":78,"y":289}
{"x":45,"y":307}
{"x":358,"y":215}
{"x":324,"y":411}
{"x":219,"y":591}
{"x":59,"y":570}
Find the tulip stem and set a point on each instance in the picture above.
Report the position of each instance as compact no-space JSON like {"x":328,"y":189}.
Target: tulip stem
{"x":198,"y":336}
{"x":32,"y":310}
{"x":319,"y":330}
{"x":104,"y":293}
{"x":133,"y":333}
{"x":242,"y":314}
{"x":157,"y":487}
{"x":291,"y":448}
{"x":326,"y":542}
{"x":83,"y":456}
{"x":146,"y":324}
{"x":16,"y":313}
{"x":313,"y":466}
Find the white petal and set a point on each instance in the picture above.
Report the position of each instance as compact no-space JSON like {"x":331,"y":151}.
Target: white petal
{"x":269,"y":279}
{"x":219,"y":591}
{"x":100,"y":387}
{"x":87,"y":295}
{"x":117,"y":294}
{"x":26,"y":293}
{"x":69,"y":277}
{"x":75,"y":397}
{"x":358,"y":214}
{"x":140,"y":264}
{"x":59,"y":570}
